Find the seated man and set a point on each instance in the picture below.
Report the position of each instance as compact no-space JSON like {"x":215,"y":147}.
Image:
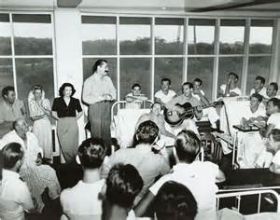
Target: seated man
{"x":259,"y":87}
{"x":256,"y":113}
{"x":271,"y":90}
{"x":37,"y":176}
{"x":165,"y":94}
{"x":199,"y":93}
{"x":148,"y":164}
{"x":273,"y":111}
{"x":174,"y":110}
{"x":274,"y":140}
{"x":250,"y":144}
{"x":11,"y":109}
{"x":122,"y":186}
{"x":230,"y":89}
{"x":82,"y":201}
{"x":15,"y":197}
{"x":135,"y":98}
{"x":199,"y":177}
{"x":174,"y":201}
{"x":157,"y":118}
{"x":208,"y":113}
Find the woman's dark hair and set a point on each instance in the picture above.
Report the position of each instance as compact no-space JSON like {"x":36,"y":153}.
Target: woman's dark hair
{"x":92,"y":152}
{"x":61,"y":89}
{"x":123,"y":185}
{"x":12,"y":153}
{"x":174,"y":201}
{"x":146,"y":133}
{"x":98,"y":62}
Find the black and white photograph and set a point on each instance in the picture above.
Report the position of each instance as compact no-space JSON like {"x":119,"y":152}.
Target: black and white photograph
{"x":130,"y":110}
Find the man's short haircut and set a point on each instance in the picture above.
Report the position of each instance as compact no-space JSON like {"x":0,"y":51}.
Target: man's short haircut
{"x":174,"y":201}
{"x":62,"y":87}
{"x":123,"y":185}
{"x":198,"y":80}
{"x":189,"y":84}
{"x":260,"y":78}
{"x":12,"y":153}
{"x":257,"y":96}
{"x":146,"y":133}
{"x":136,"y":85}
{"x":275,"y":134}
{"x":187,"y":147}
{"x":275,"y":102}
{"x":97,"y":63}
{"x":92,"y":152}
{"x":166,"y":80}
{"x":7,"y":89}
{"x":233,"y":74}
{"x":155,"y":103}
{"x":275,"y":86}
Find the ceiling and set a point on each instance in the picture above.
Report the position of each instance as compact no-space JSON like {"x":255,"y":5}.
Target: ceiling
{"x":129,"y":5}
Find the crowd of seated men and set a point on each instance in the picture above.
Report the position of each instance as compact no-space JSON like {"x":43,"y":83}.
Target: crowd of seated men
{"x":132,"y":181}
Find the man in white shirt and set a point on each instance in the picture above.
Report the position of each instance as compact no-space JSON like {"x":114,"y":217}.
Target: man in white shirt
{"x":259,"y":87}
{"x":148,"y":164}
{"x":82,"y":201}
{"x":250,"y":143}
{"x":135,"y":98}
{"x":165,"y":94}
{"x":273,"y":111}
{"x":274,"y":140}
{"x":15,"y":197}
{"x":37,"y":176}
{"x":199,"y":177}
{"x":231,"y":88}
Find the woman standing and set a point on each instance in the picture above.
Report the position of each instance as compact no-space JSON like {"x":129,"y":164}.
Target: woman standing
{"x":39,"y":109}
{"x":66,"y":110}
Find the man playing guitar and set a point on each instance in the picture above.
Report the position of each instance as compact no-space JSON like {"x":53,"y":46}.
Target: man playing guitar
{"x":173,"y":107}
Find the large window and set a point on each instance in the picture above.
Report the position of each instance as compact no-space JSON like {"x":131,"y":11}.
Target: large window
{"x":146,"y":49}
{"x":26,"y":41}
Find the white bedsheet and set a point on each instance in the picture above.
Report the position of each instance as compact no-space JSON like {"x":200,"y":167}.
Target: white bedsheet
{"x":124,"y":125}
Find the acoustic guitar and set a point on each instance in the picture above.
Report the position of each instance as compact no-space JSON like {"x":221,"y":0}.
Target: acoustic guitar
{"x":177,"y":116}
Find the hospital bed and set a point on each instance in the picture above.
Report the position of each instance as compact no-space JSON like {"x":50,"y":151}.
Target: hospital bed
{"x":124,"y":120}
{"x":250,"y":202}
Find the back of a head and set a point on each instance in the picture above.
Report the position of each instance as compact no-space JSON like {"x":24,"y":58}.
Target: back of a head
{"x":91,"y":153}
{"x":187,"y":146}
{"x":146,"y":133}
{"x":11,"y":154}
{"x":123,"y":185}
{"x":174,"y":201}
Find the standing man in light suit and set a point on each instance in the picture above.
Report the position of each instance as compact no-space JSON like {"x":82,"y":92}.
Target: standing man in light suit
{"x":99,"y":93}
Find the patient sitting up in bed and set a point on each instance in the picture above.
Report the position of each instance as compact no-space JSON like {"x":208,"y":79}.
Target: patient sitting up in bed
{"x":156,"y":116}
{"x":255,"y":115}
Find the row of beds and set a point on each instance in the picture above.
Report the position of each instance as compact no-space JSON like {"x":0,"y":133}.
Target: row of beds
{"x":244,"y":198}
